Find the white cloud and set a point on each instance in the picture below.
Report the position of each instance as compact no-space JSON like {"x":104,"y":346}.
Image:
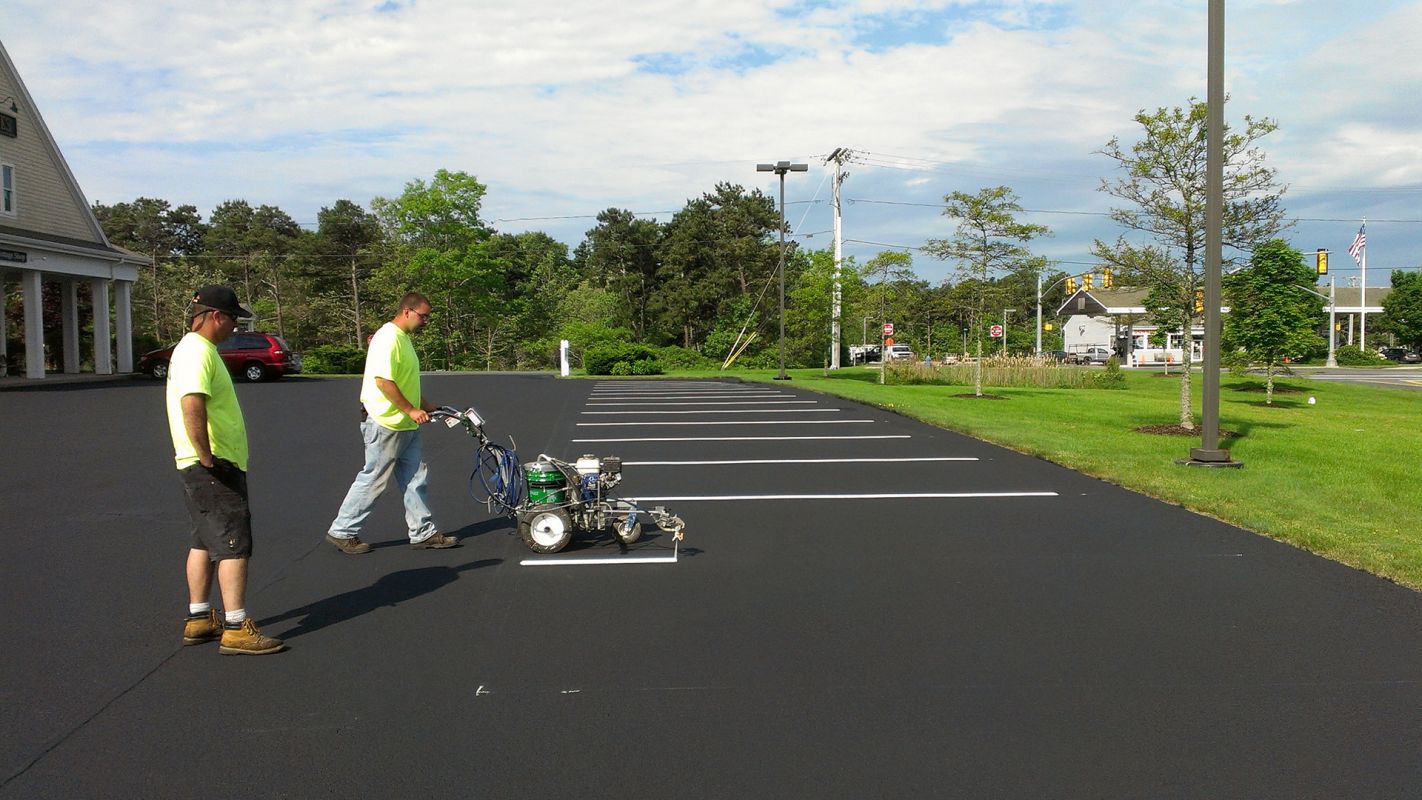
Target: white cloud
{"x":551,"y":105}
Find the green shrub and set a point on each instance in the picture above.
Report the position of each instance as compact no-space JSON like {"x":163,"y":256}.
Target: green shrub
{"x":621,"y":358}
{"x":333,"y":359}
{"x":1354,"y":356}
{"x":1110,"y":377}
{"x":674,"y":357}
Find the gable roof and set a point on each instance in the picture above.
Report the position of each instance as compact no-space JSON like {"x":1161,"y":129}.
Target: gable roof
{"x":1125,"y":300}
{"x":98,"y":242}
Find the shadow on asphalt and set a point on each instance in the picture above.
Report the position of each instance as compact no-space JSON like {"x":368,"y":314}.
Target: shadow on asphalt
{"x":390,"y":590}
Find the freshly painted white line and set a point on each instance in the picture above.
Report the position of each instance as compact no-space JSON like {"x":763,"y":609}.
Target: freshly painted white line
{"x":744,"y":438}
{"x":884,"y":496}
{"x":794,"y":461}
{"x":684,"y":396}
{"x":556,"y":562}
{"x":718,"y":403}
{"x":730,"y":411}
{"x":731,"y":422}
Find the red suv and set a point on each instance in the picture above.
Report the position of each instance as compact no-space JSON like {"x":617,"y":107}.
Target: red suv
{"x":255,"y":356}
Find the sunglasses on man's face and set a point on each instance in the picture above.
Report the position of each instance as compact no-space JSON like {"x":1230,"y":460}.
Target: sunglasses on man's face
{"x":424,"y":317}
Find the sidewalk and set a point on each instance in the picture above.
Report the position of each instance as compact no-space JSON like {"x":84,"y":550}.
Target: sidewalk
{"x":63,"y":379}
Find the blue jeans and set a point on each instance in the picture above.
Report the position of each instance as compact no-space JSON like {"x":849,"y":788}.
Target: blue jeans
{"x":387,"y":453}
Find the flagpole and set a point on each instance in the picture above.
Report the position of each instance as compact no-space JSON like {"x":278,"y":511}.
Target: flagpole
{"x":1363,"y":304}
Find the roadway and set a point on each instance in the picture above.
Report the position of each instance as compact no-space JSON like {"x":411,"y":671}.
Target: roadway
{"x":864,"y":606}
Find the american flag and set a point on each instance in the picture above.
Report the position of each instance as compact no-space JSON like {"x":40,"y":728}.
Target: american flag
{"x":1356,"y":248}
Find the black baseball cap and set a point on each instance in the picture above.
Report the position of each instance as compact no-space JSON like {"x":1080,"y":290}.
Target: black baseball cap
{"x":221,"y":298}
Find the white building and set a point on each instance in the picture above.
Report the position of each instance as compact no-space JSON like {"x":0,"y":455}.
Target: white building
{"x":48,"y":234}
{"x":1117,"y":320}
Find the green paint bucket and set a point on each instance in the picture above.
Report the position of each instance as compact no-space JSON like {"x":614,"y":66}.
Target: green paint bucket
{"x":546,"y":483}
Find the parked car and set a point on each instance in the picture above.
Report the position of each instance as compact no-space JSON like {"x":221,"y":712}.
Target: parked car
{"x":900,"y":352}
{"x":1401,"y":355}
{"x":1090,"y":355}
{"x":252,"y":355}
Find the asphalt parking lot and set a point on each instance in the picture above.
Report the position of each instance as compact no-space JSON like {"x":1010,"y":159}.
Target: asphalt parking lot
{"x":864,"y":606}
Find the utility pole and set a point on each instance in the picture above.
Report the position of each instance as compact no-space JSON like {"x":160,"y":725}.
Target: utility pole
{"x":1039,"y":311}
{"x":838,"y":157}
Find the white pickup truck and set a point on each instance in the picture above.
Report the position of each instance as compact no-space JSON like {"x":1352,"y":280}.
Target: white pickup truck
{"x":1094,"y":354}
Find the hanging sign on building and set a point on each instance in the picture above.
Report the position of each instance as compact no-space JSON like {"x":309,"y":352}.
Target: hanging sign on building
{"x":16,"y":256}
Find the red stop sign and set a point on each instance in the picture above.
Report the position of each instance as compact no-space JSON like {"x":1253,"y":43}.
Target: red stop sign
{"x":888,"y":329}
{"x":996,"y":331}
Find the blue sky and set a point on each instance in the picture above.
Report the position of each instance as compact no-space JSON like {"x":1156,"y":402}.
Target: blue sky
{"x":565,"y":109}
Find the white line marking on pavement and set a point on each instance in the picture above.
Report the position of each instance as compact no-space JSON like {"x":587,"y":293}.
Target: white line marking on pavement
{"x":684,"y":396}
{"x":572,"y":562}
{"x":744,"y":438}
{"x":885,"y":496}
{"x":716,"y":403}
{"x":731,"y":422}
{"x":794,"y":461}
{"x":730,"y":411}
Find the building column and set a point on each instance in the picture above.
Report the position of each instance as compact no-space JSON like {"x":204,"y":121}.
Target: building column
{"x":34,"y":324}
{"x":103,"y":337}
{"x":123,"y":315}
{"x":4,"y":329}
{"x":69,"y":314}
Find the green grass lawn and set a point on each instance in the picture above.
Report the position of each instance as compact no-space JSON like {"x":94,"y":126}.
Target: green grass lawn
{"x":1340,"y":478}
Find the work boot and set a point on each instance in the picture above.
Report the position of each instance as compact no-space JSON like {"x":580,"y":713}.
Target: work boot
{"x":202,"y":629}
{"x":351,"y":546}
{"x":437,"y":542}
{"x":248,"y":641}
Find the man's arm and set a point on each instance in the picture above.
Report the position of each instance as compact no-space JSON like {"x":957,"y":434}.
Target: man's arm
{"x":195,"y":423}
{"x":392,"y":393}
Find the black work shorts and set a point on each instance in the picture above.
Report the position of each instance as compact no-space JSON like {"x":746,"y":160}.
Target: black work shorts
{"x":217,"y":503}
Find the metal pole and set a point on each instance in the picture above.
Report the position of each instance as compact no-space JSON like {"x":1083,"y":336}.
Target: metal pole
{"x":838,"y":255}
{"x":1332,"y":324}
{"x":1039,"y":312}
{"x":1208,"y":452}
{"x":782,"y":376}
{"x":1363,"y":297}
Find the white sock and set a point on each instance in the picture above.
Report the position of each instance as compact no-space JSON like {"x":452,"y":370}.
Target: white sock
{"x":236,"y":617}
{"x":199,"y":609}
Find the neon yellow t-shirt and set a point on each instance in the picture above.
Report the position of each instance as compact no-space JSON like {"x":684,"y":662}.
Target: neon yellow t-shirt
{"x":391,"y":356}
{"x":196,"y":368}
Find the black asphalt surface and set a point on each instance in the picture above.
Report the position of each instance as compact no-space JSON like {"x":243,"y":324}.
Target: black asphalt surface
{"x":1090,"y":644}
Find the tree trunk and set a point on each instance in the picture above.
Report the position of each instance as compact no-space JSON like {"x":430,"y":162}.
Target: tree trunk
{"x":1187,"y":415}
{"x":1269,"y":384}
{"x":355,"y":300}
{"x":978,"y":369}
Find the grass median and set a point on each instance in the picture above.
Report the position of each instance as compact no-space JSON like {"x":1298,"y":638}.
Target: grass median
{"x":1340,"y":477}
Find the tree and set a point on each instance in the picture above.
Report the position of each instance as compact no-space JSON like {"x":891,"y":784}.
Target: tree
{"x":443,"y":214}
{"x":152,"y":227}
{"x":894,"y":273}
{"x":1402,"y":309}
{"x":346,"y":235}
{"x":1164,"y":185}
{"x":253,"y":245}
{"x":989,"y":242}
{"x":1271,"y":314}
{"x":620,"y":255}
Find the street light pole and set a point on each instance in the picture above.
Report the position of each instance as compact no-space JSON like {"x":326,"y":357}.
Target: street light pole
{"x":1005,"y":312}
{"x":780,"y":168}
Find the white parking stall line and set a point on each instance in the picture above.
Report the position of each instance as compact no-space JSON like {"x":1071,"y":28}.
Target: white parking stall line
{"x":745,"y":438}
{"x":697,"y":396}
{"x":795,"y":461}
{"x":883,"y":496}
{"x":730,"y":411}
{"x":729,"y":422}
{"x":716,"y":403}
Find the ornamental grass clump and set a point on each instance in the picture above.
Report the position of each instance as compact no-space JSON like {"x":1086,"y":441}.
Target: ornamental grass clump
{"x":1003,"y":371}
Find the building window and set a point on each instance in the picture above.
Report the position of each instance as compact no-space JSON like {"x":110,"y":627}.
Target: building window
{"x":7,"y":189}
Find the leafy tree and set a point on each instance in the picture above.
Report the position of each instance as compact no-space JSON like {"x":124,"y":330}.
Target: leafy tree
{"x":989,"y":242}
{"x":344,"y":251}
{"x":154,"y":228}
{"x":442,"y":215}
{"x":1402,"y":309}
{"x":620,"y":255}
{"x":893,"y":280}
{"x":252,"y":245}
{"x":1164,"y":187}
{"x":720,"y":245}
{"x":1270,"y":316}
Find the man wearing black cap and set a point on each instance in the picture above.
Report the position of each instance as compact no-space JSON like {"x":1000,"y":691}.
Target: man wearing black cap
{"x":210,"y":447}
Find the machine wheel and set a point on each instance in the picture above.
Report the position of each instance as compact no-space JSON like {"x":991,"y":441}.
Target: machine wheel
{"x":546,"y":529}
{"x":159,"y":370}
{"x":254,"y":372}
{"x":627,"y":534}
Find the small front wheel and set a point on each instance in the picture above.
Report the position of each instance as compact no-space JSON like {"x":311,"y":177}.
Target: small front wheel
{"x":627,"y":534}
{"x":545,"y":529}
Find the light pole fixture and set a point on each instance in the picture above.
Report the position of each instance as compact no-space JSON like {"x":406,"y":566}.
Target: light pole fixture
{"x":780,"y":168}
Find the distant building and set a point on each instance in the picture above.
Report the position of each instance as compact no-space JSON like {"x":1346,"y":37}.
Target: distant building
{"x":48,"y":234}
{"x":1117,"y":319}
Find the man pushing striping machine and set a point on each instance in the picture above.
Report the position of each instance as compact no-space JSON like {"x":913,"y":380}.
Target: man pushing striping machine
{"x":553,"y":499}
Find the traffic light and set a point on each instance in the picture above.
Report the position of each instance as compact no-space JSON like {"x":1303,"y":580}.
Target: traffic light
{"x":1071,"y":286}
{"x":1199,"y":302}
{"x":1321,"y":260}
{"x":1106,"y":278}
{"x":1046,"y":326}
{"x":1086,"y":281}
